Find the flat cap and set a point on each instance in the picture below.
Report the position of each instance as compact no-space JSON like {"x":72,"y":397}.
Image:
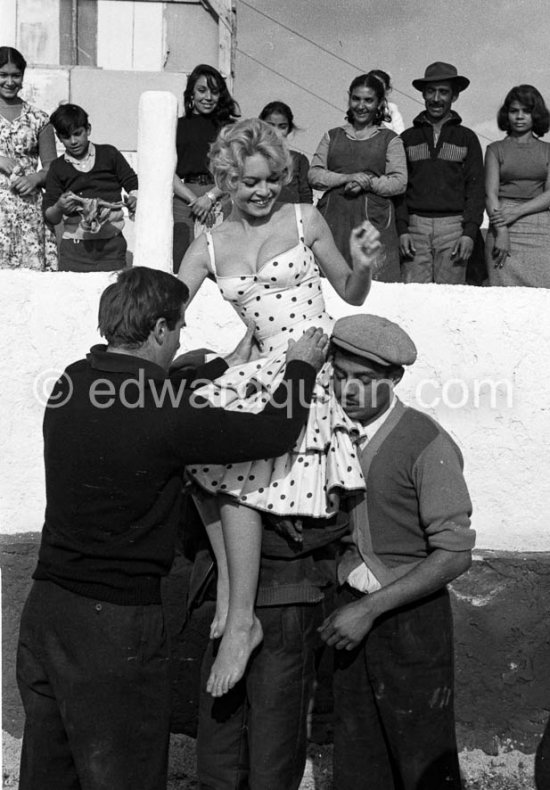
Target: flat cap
{"x":374,"y":337}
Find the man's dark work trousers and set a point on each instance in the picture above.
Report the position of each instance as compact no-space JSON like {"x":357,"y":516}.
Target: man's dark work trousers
{"x":94,"y":681}
{"x":394,"y":716}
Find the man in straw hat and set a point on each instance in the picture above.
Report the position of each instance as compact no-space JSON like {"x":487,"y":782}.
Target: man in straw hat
{"x":393,"y":682}
{"x":439,"y":215}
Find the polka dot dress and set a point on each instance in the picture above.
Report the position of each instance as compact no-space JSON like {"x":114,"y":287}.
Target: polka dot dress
{"x":283,"y":298}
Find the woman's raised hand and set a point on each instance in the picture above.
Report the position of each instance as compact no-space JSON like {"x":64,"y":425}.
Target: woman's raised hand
{"x":365,"y":246}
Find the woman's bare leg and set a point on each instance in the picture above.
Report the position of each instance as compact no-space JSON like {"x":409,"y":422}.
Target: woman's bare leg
{"x":215,"y":536}
{"x":209,"y":510}
{"x":242,"y":532}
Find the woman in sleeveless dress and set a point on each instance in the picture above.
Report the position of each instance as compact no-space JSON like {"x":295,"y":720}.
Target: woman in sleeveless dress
{"x":361,"y":166}
{"x":517,"y":185}
{"x":264,"y":260}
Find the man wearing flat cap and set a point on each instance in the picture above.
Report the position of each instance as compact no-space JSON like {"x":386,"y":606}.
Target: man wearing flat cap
{"x":439,"y":216}
{"x":411,"y":536}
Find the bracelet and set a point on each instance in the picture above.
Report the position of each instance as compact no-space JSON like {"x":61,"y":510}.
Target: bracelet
{"x":211,"y":196}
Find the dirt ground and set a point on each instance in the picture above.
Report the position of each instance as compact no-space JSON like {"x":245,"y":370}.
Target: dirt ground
{"x":507,"y":771}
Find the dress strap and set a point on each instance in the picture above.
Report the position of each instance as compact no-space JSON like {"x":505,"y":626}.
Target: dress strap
{"x":211,"y":254}
{"x":299,"y":220}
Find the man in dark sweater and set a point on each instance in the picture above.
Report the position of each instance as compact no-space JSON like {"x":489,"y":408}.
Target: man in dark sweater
{"x":118,"y":432}
{"x":439,"y":216}
{"x":411,"y":535}
{"x":83,"y":189}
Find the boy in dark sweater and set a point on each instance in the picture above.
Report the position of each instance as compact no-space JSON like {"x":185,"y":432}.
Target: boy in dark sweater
{"x":411,"y":535}
{"x":83,"y":189}
{"x":119,"y":430}
{"x":439,"y":215}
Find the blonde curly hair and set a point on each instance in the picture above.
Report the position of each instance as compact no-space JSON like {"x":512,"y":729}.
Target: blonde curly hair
{"x":237,"y":142}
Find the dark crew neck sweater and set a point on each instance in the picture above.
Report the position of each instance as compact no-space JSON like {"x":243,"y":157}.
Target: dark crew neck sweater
{"x":114,"y":455}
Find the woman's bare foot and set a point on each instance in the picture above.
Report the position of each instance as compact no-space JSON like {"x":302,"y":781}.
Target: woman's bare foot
{"x":235,"y":649}
{"x":217,"y":626}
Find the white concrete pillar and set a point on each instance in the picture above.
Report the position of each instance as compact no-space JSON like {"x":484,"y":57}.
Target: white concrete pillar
{"x":156,"y":152}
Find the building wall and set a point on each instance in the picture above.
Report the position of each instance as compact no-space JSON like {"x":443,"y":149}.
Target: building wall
{"x":112,"y":34}
{"x":106,"y":56}
{"x":344,"y":38}
{"x":483,"y":370}
{"x":110,"y":98}
{"x":38,"y":30}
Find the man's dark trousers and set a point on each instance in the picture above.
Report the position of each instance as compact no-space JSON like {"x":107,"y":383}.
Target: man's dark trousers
{"x":542,"y":761}
{"x":394,"y":712}
{"x":255,"y":737}
{"x":93,"y":677}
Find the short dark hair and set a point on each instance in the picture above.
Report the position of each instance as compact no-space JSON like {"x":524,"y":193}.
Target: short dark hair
{"x":531,"y":99}
{"x":375,"y":84}
{"x":11,"y":55}
{"x":67,"y":118}
{"x":281,"y":108}
{"x":130,"y":307}
{"x":227,"y":109}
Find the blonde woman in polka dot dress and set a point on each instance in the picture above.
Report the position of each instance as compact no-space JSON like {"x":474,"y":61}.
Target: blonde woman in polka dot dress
{"x":264,"y":258}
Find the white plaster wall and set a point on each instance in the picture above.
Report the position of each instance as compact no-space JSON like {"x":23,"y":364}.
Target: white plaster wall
{"x":463,"y":334}
{"x":110,"y":97}
{"x":111,"y":100}
{"x":38,"y":30}
{"x":46,"y":87}
{"x":115,"y":41}
{"x":8,"y":18}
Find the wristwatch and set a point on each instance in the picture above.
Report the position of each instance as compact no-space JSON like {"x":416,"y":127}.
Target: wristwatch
{"x":212,"y":197}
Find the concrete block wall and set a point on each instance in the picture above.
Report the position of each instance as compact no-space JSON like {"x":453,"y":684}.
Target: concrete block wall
{"x":482,"y":371}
